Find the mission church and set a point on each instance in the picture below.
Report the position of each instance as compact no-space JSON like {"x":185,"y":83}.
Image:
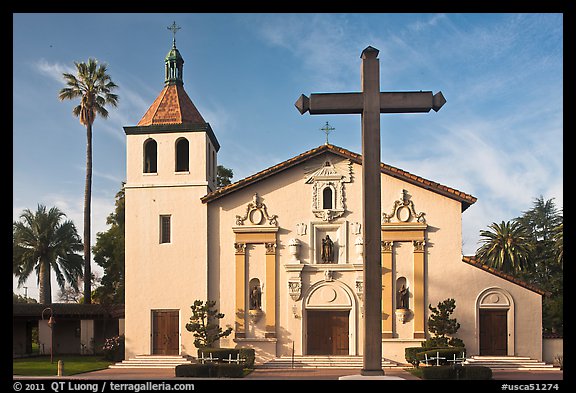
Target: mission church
{"x":281,"y":251}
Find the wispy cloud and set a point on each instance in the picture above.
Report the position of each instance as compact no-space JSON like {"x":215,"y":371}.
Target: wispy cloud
{"x":421,"y":25}
{"x":53,"y":70}
{"x":329,"y":53}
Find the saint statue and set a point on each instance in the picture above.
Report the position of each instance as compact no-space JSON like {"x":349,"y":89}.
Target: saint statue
{"x":327,"y":250}
{"x":403,"y":297}
{"x":255,"y":298}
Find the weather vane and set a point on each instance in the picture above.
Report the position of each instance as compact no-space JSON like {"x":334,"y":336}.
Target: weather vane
{"x":327,"y":129}
{"x":174,"y":29}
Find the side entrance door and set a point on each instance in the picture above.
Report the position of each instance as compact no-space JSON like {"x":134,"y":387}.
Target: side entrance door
{"x":493,"y":332}
{"x":165,"y":332}
{"x":327,"y":332}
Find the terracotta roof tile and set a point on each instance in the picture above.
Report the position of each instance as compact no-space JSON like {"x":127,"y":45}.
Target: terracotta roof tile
{"x":471,"y":260}
{"x":172,"y":106}
{"x":462,"y":197}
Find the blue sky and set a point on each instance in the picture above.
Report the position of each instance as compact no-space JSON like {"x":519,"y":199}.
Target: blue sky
{"x":499,"y":137}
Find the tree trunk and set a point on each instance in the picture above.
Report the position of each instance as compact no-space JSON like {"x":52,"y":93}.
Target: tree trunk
{"x":45,"y":282}
{"x":87,"y":209}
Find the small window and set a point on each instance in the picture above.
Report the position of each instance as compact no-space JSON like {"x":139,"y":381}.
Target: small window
{"x":150,"y":156}
{"x":327,"y":198}
{"x":213,"y":165}
{"x":165,"y":229}
{"x":182,"y":161}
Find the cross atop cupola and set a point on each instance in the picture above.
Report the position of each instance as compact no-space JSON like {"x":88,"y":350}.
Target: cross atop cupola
{"x":174,"y":61}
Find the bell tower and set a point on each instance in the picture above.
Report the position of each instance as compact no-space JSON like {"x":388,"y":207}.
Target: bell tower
{"x":170,"y":163}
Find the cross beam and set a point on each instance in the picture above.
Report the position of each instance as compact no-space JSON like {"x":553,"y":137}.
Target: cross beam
{"x":350,"y":103}
{"x":370,"y":103}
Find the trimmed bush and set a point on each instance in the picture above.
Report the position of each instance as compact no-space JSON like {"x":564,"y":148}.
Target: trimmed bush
{"x":411,"y":353}
{"x":449,"y":372}
{"x":225,"y":353}
{"x":438,"y":372}
{"x":210,"y":370}
{"x":477,"y":372}
{"x":230,"y":370}
{"x":196,"y":370}
{"x":447,"y":353}
{"x":250,"y":355}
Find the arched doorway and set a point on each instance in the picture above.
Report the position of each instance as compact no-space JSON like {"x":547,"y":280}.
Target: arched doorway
{"x":330,"y":319}
{"x":495,"y":322}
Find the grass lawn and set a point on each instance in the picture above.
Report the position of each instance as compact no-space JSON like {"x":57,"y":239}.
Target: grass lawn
{"x":73,"y":364}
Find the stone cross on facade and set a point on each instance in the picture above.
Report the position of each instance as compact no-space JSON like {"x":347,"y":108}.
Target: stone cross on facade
{"x":327,"y":129}
{"x":370,"y":102}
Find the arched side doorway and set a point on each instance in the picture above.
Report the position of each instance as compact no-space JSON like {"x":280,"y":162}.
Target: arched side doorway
{"x":330,"y":320}
{"x":495,"y":322}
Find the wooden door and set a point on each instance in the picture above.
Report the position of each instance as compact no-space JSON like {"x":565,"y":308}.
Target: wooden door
{"x":327,"y":332}
{"x":493,"y":332}
{"x":165,"y":333}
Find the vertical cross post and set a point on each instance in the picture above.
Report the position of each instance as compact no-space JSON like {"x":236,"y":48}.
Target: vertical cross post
{"x":372,"y":361}
{"x":370,"y":103}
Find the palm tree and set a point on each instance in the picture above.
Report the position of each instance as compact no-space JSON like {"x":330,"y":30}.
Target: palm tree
{"x":559,"y":244}
{"x":42,"y":241}
{"x":93,"y":87}
{"x":506,"y":247}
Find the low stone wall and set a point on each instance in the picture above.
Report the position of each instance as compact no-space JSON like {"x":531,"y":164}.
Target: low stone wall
{"x":551,"y":348}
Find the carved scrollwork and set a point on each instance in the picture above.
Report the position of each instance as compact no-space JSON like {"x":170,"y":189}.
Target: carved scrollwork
{"x":419,"y":245}
{"x":403,"y":211}
{"x":328,"y":194}
{"x":270,"y":248}
{"x":295,"y":288}
{"x":240,"y":248}
{"x":386,"y":246}
{"x":257,"y":214}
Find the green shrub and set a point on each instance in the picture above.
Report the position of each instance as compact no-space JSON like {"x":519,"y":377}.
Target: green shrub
{"x":449,"y":372}
{"x":447,"y":353}
{"x":410,"y":353}
{"x":476,"y":372}
{"x":210,"y":370}
{"x":230,"y":370}
{"x":196,"y":370}
{"x":250,"y":355}
{"x":218,"y":353}
{"x":439,"y":372}
{"x":225,"y":353}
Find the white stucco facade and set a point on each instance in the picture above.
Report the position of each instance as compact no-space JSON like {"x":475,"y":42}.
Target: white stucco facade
{"x":256,"y":248}
{"x":201,"y":261}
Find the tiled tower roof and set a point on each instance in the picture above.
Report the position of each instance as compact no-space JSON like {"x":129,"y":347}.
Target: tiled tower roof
{"x":172,"y":106}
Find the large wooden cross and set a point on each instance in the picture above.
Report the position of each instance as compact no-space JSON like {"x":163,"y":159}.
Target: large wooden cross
{"x":370,"y":103}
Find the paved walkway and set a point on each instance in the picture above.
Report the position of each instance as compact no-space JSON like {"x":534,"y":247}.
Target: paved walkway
{"x":289,"y":374}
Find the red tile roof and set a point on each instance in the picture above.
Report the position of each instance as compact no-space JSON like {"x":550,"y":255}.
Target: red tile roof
{"x":471,"y":260}
{"x":172,"y":106}
{"x":452,"y":193}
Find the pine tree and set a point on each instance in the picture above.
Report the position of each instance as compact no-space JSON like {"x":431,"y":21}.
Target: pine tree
{"x":204,"y":324}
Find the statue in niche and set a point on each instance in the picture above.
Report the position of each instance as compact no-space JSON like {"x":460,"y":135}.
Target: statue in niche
{"x":255,"y":298}
{"x":403,"y":297}
{"x":327,"y":250}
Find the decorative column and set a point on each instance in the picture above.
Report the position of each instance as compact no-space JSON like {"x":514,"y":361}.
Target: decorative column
{"x":419,"y":305}
{"x":240,"y":255}
{"x":270,"y":290}
{"x":387,"y":289}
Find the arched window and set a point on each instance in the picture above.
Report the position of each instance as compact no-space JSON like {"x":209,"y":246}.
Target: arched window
{"x":327,"y":198}
{"x":182,"y":161}
{"x":150,"y":156}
